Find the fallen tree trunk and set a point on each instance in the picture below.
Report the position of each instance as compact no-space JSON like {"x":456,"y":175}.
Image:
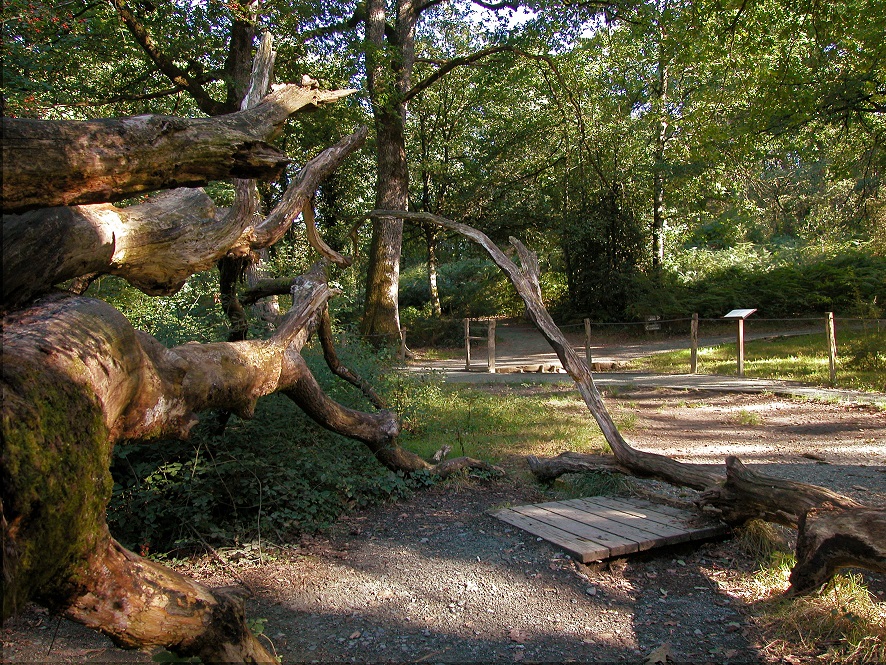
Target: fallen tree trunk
{"x":741,"y":496}
{"x":65,"y":162}
{"x":834,"y":538}
{"x":76,"y":378}
{"x":155,"y":245}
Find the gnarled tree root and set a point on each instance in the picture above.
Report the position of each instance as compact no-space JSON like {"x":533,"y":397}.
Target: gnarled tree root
{"x":131,"y":600}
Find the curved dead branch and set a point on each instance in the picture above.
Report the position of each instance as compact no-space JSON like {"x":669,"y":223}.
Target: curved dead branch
{"x":275,"y":225}
{"x":317,"y":242}
{"x":324,"y":332}
{"x":97,"y":161}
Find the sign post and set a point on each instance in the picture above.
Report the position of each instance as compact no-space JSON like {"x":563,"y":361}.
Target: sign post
{"x":740,"y":315}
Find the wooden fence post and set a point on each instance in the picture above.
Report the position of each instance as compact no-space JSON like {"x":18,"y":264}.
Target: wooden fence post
{"x":490,"y":346}
{"x":467,"y":345}
{"x":831,"y":335}
{"x":588,"y":358}
{"x":693,"y":348}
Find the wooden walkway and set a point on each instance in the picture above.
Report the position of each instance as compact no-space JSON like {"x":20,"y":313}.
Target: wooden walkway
{"x":600,"y":527}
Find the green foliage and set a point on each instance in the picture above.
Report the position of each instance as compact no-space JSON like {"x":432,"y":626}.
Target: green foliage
{"x":273,"y":477}
{"x":866,"y":353}
{"x":604,"y":251}
{"x":193,"y":314}
{"x":469,"y":287}
{"x":852,"y":283}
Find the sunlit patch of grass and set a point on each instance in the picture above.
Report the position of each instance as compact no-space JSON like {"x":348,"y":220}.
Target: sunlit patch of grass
{"x":861,"y":357}
{"x":502,"y":425}
{"x":841,"y":624}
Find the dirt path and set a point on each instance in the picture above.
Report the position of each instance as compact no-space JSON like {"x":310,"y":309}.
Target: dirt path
{"x":436,"y":579}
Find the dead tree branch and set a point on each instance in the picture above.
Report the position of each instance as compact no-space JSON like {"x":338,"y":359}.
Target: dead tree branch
{"x":66,"y":162}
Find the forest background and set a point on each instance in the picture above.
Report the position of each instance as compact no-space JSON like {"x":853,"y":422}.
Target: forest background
{"x":662,"y":157}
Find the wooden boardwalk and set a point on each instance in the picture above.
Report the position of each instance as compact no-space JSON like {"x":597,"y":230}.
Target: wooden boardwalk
{"x":600,"y":527}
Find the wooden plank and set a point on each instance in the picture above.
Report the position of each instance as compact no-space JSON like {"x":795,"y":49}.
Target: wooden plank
{"x":599,"y":527}
{"x":692,"y":518}
{"x":618,"y":544}
{"x":697,"y":526}
{"x":679,"y":521}
{"x":644,"y":538}
{"x":582,"y":549}
{"x":674,"y":534}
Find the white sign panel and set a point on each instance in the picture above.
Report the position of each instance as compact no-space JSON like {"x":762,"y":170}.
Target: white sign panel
{"x":739,"y":313}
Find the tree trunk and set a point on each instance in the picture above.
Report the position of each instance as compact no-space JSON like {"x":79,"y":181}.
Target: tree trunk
{"x":661,"y":140}
{"x":833,"y":538}
{"x":389,"y":69}
{"x":76,"y":378}
{"x":431,"y":238}
{"x":53,"y":163}
{"x":155,"y":245}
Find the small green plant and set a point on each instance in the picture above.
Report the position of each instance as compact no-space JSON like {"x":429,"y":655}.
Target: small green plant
{"x":627,"y":421}
{"x":748,"y":418}
{"x":591,"y":483}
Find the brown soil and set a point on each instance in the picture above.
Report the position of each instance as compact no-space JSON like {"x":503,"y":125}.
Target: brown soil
{"x":437,"y":579}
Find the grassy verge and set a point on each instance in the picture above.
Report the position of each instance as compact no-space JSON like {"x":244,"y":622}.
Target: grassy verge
{"x":501,"y":424}
{"x":842,"y":624}
{"x":861,"y":362}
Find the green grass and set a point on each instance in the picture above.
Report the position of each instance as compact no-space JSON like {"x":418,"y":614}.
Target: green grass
{"x":503,"y":424}
{"x":841,"y":624}
{"x":861,"y":360}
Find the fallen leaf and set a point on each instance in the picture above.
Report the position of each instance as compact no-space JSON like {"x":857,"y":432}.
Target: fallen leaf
{"x":354,"y":635}
{"x":660,"y":655}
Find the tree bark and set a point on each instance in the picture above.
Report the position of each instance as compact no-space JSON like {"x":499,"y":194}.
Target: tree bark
{"x":76,"y":378}
{"x":389,"y":66}
{"x":833,"y":538}
{"x":154,"y":245}
{"x":59,"y":162}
